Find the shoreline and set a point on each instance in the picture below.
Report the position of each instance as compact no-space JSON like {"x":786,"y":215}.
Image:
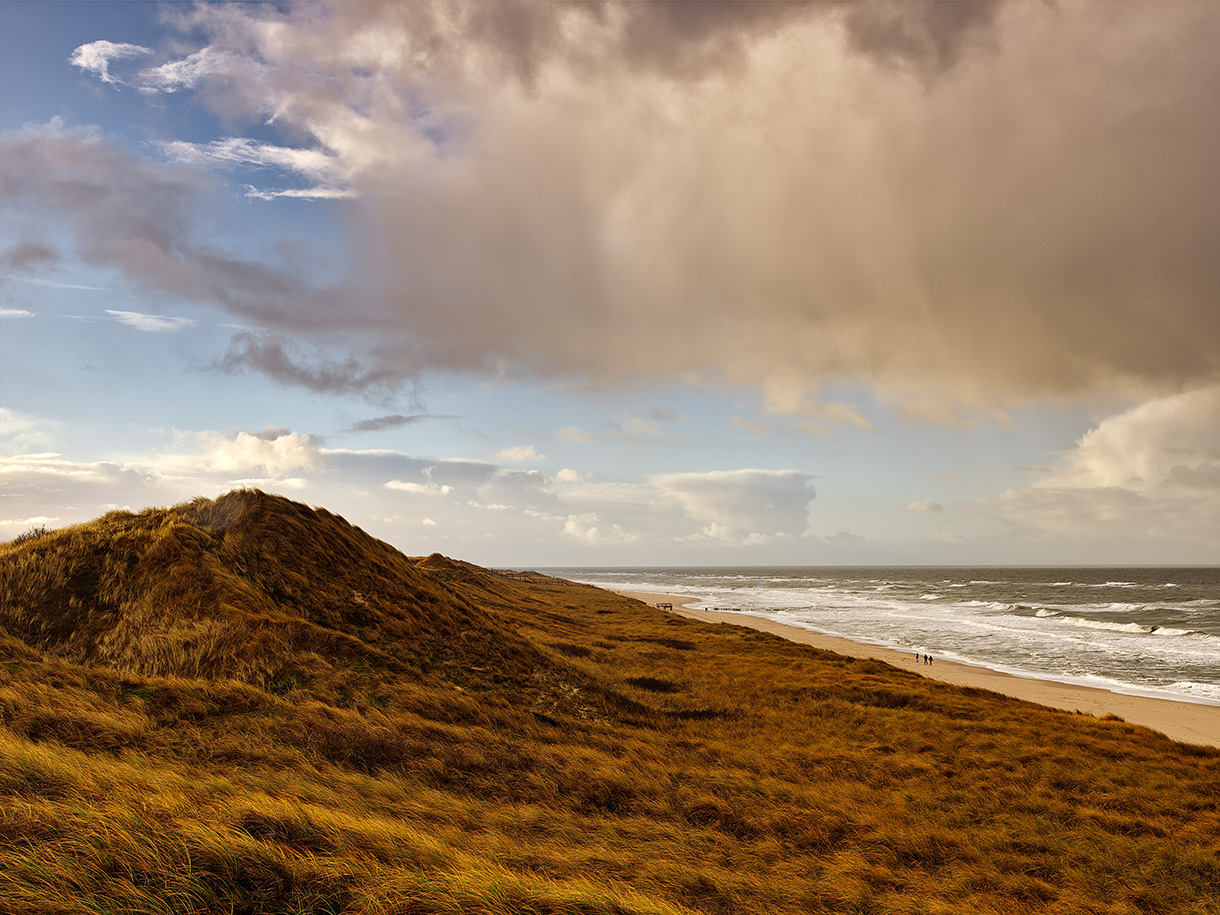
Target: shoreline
{"x":1184,"y":721}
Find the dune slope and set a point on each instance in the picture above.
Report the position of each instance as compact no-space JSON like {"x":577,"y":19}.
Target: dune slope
{"x":248,"y":705}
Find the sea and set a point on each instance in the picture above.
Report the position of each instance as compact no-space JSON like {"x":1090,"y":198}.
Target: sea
{"x":1141,"y":631}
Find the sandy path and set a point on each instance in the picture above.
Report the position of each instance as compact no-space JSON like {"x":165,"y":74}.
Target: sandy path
{"x":1189,"y":722}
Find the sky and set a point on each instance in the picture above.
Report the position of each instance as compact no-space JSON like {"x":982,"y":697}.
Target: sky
{"x":602,"y":284}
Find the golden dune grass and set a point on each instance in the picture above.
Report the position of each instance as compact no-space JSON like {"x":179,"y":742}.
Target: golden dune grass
{"x":453,"y":741}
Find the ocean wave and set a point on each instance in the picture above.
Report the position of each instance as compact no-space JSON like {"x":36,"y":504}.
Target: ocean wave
{"x":1194,"y":688}
{"x":1123,"y":627}
{"x":929,"y":597}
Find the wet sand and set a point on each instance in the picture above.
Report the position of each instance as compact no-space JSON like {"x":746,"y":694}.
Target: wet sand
{"x":1189,"y":722}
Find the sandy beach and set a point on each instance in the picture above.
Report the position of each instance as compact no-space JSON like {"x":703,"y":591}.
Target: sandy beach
{"x":1188,"y":722}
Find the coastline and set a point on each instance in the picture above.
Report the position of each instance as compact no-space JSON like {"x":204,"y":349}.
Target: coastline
{"x":1184,"y":721}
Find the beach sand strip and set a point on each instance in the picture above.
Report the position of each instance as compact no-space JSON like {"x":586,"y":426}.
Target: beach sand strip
{"x":1188,"y":722}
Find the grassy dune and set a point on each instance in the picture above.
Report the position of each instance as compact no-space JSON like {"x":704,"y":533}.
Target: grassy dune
{"x":246,"y":705}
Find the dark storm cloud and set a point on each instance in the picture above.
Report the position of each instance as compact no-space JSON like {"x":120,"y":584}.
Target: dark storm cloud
{"x":963,"y":205}
{"x":393,"y":421}
{"x":929,"y":37}
{"x":1036,"y":222}
{"x":273,"y":355}
{"x":675,"y":38}
{"x":26,"y":255}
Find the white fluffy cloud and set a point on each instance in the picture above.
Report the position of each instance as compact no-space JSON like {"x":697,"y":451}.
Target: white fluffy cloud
{"x":1151,"y":471}
{"x":210,"y":453}
{"x":420,"y":489}
{"x":97,"y":56}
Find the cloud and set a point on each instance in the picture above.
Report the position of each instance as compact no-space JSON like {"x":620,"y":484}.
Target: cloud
{"x":523,"y":513}
{"x":740,"y":504}
{"x":272,"y":355}
{"x":960,"y":205}
{"x":97,"y":56}
{"x":139,"y":217}
{"x":275,"y":452}
{"x":153,"y":324}
{"x":591,"y":530}
{"x":1150,"y":473}
{"x":392,"y":421}
{"x":21,"y":431}
{"x":420,"y":489}
{"x":924,"y":506}
{"x":928,"y":37}
{"x":35,"y":521}
{"x":187,"y":72}
{"x":520,"y":454}
{"x":15,"y":313}
{"x":49,"y":484}
{"x":323,"y":170}
{"x":55,"y":284}
{"x":648,"y":428}
{"x":951,"y":202}
{"x":194,"y":464}
{"x":27,"y":254}
{"x":632,"y":428}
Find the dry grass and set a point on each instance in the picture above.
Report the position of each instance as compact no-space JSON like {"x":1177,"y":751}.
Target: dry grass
{"x":248,"y":706}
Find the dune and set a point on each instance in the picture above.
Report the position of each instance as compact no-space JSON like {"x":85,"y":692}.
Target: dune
{"x":249,"y":705}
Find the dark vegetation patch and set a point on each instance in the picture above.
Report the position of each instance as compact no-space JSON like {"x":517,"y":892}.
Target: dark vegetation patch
{"x":676,"y":644}
{"x":654,"y":684}
{"x":573,"y":651}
